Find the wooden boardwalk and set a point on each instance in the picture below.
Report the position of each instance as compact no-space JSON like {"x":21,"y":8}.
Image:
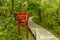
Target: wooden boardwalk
{"x":39,"y":32}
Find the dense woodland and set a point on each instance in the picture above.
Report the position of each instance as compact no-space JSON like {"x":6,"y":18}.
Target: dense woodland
{"x":46,"y":11}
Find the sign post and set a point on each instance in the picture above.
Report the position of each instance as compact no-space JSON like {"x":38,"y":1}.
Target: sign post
{"x":22,"y":18}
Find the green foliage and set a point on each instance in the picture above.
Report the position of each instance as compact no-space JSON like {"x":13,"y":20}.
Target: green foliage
{"x":49,"y":15}
{"x":47,"y":11}
{"x":8,"y":23}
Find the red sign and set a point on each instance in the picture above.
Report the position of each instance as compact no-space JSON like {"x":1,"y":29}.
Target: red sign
{"x":22,"y":18}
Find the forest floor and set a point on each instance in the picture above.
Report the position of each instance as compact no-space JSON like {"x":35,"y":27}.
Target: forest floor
{"x":30,"y":37}
{"x":23,"y":35}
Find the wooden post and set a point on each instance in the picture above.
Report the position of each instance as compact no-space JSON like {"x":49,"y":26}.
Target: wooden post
{"x":27,"y":30}
{"x":18,"y":29}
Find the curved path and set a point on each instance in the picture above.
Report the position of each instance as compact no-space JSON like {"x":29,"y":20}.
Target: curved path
{"x":39,"y":32}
